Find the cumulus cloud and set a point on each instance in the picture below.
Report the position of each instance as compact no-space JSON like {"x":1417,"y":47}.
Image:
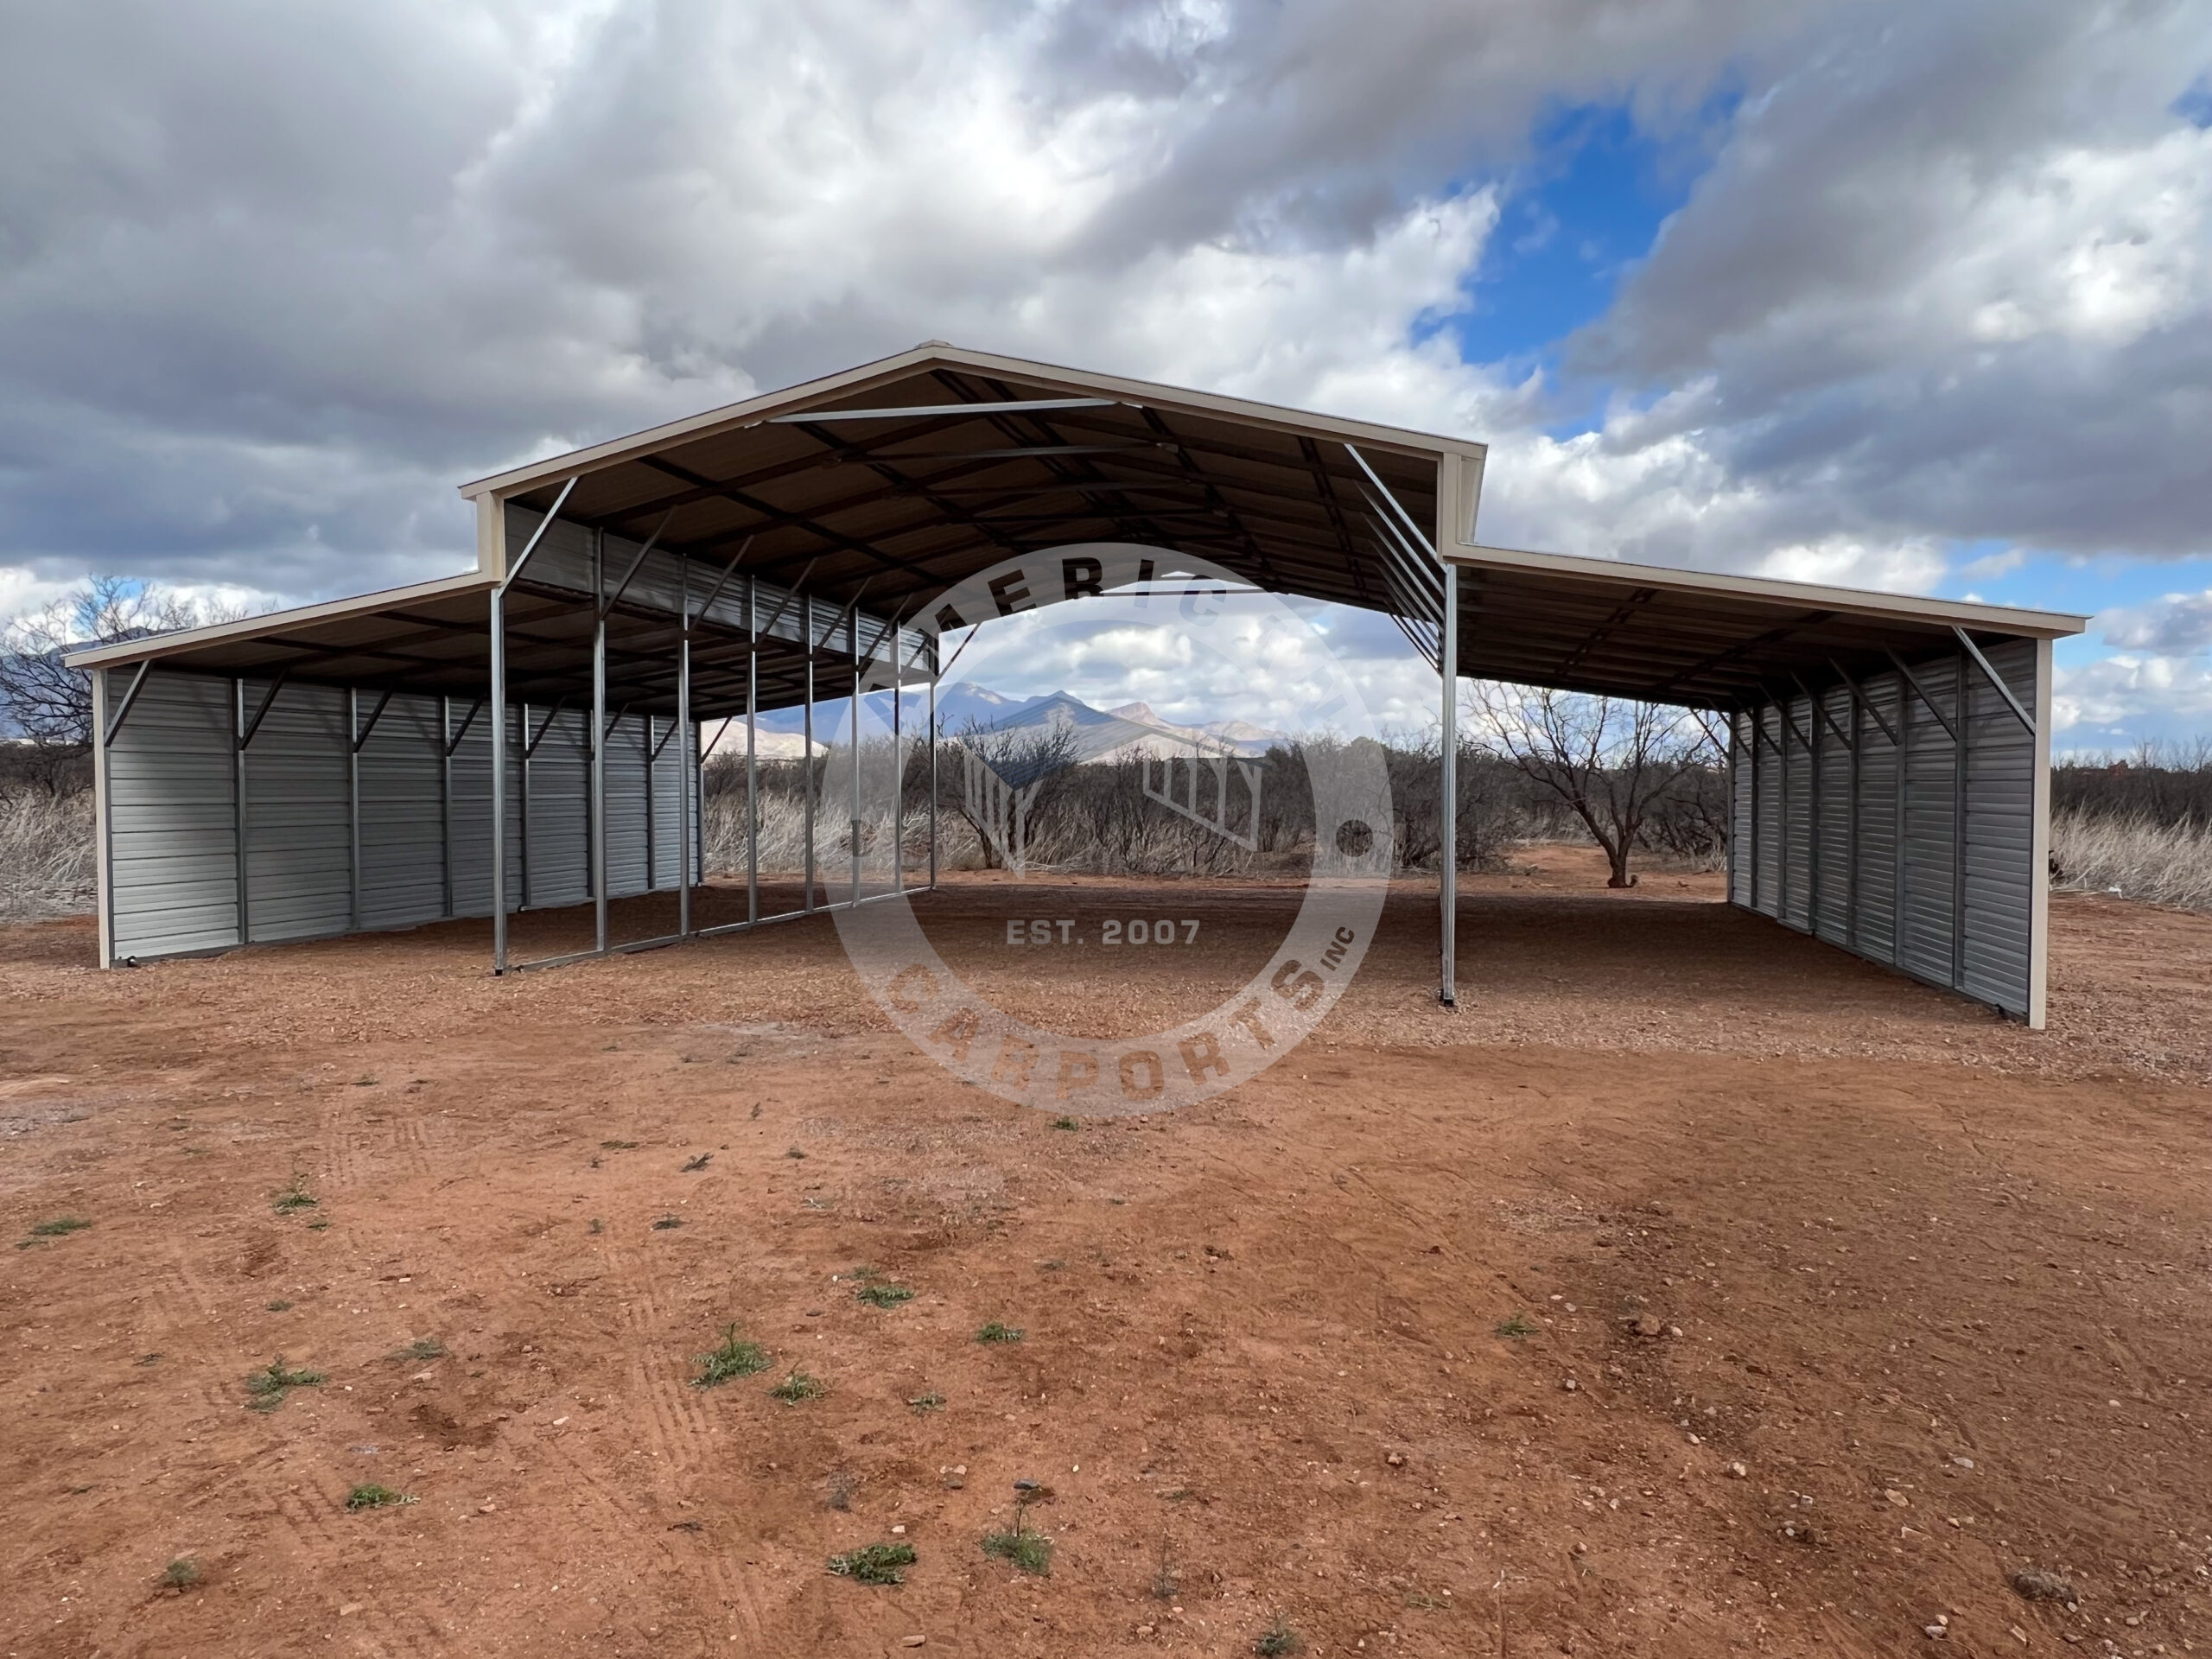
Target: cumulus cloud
{"x":272,"y":280}
{"x":2174,"y":626}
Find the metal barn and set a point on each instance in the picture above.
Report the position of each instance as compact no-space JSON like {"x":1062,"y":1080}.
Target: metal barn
{"x":331,"y":770}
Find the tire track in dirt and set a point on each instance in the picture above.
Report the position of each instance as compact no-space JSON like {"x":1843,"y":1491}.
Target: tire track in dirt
{"x":678,"y":1426}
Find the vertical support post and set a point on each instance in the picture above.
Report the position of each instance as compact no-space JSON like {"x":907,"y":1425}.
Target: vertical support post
{"x":752,"y":751}
{"x":528,"y":746}
{"x":104,"y":865}
{"x":354,"y":805}
{"x":498,"y":712}
{"x":598,"y":751}
{"x":1965,"y":722}
{"x":238,"y":802}
{"x":650,"y":761}
{"x":1782,"y":890}
{"x":2039,"y":845}
{"x":684,"y":768}
{"x":1813,"y":830}
{"x":1447,"y":825}
{"x":1851,"y":891}
{"x":1899,"y":929}
{"x":936,"y":665}
{"x":807,"y":617}
{"x":853,"y":719}
{"x":898,"y":762}
{"x":445,"y":796}
{"x":1758,"y":730}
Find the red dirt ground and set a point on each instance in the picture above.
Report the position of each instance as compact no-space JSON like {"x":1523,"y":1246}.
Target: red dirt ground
{"x":1943,"y":1291}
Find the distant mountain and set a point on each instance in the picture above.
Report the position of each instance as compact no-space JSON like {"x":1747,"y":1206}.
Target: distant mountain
{"x":1100,"y":734}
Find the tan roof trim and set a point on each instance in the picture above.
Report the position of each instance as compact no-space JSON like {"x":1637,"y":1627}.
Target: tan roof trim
{"x":1076,"y":382}
{"x":274,"y":622}
{"x":1850,"y":601}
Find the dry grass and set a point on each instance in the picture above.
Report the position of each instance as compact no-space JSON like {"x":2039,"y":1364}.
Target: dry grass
{"x":2155,"y":864}
{"x":46,"y":855}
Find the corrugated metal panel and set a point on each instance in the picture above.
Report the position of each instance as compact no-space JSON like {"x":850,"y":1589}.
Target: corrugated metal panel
{"x":2000,"y":831}
{"x":1767,"y":845}
{"x":403,"y":815}
{"x":1740,"y":759}
{"x":173,"y":850}
{"x":472,"y":813}
{"x":627,"y":870}
{"x":298,"y":818}
{"x":558,"y":852}
{"x":668,"y":807}
{"x":1797,"y":816}
{"x":1877,"y":818}
{"x":564,"y":559}
{"x":1835,"y":772}
{"x":1930,"y":824}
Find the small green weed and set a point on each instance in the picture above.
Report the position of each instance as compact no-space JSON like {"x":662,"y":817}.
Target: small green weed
{"x":666,"y":1223}
{"x":296,"y":1197}
{"x":597,"y":1225}
{"x":618,"y":1146}
{"x":883,"y":1296}
{"x":180,"y":1574}
{"x":922,"y":1404}
{"x":997,"y":1332}
{"x":735,"y":1357}
{"x":794,"y":1151}
{"x":874,"y":1563}
{"x":59,"y":1227}
{"x":698,"y":1163}
{"x":798,"y":1386}
{"x":422,"y":1348}
{"x":320,"y":1224}
{"x":280,"y":1306}
{"x":1515,"y":1326}
{"x":267,"y":1388}
{"x":1277,"y":1640}
{"x":1027,"y":1551}
{"x":372,"y":1496}
{"x":1066,"y":1123}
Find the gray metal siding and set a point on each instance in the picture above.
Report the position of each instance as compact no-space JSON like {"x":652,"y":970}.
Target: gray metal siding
{"x":1833,"y":852}
{"x":1797,"y":816}
{"x":172,"y":844}
{"x":1999,"y":829}
{"x":625,"y":809}
{"x":172,"y":813}
{"x":1860,"y":837}
{"x":1767,"y":806}
{"x":1740,"y":814}
{"x":1931,"y":779}
{"x":1877,"y":840}
{"x":558,"y":777}
{"x":299,"y":855}
{"x":403,"y":815}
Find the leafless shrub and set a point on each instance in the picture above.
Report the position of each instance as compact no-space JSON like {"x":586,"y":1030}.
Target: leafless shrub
{"x":47,"y":859}
{"x":2135,"y":857}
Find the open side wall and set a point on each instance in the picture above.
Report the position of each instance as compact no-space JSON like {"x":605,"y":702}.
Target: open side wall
{"x":1902,"y":819}
{"x":298,"y":834}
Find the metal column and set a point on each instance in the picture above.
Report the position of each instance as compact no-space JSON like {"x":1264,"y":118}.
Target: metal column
{"x":853,"y":723}
{"x":354,"y":805}
{"x":598,"y":755}
{"x":1448,"y":808}
{"x":934,"y":665}
{"x":684,"y":769}
{"x":898,"y":763}
{"x":752,"y":751}
{"x":807,"y":795}
{"x":500,"y":780}
{"x":238,"y":802}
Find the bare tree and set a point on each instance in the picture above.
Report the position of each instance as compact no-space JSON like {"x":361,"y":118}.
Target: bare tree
{"x":1007,"y":781}
{"x":51,"y":703}
{"x":1609,"y":761}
